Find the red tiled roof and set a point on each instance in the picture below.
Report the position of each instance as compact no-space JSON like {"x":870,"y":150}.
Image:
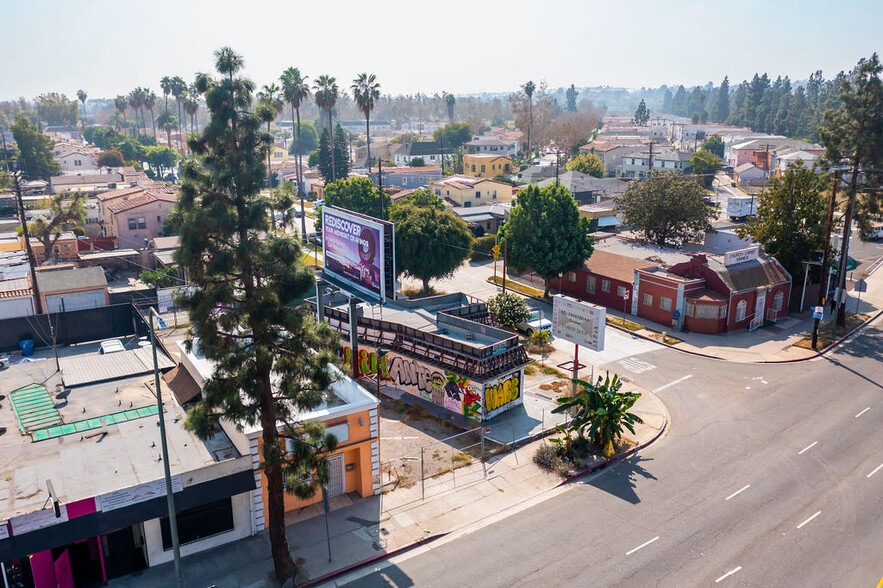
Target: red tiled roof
{"x":119,"y":192}
{"x":128,"y":203}
{"x":618,"y":267}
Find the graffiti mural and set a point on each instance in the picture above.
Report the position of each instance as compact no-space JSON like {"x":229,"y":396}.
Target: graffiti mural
{"x":461,"y":396}
{"x":502,"y":392}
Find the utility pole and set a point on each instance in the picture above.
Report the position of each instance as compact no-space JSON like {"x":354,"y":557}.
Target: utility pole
{"x":844,"y":247}
{"x":766,"y":173}
{"x":820,"y":299}
{"x":504,"y":267}
{"x":16,"y":181}
{"x":650,"y":161}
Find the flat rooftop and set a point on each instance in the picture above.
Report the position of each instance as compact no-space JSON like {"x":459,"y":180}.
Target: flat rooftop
{"x":106,"y":436}
{"x":628,"y":248}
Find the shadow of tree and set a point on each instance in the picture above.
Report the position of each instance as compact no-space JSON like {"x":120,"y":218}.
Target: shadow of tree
{"x":621,"y":480}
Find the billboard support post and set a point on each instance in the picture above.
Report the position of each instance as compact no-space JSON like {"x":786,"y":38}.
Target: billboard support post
{"x":575,"y":368}
{"x":354,"y":336}
{"x":320,"y":300}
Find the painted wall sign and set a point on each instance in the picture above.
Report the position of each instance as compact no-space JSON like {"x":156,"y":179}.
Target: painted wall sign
{"x":136,"y":494}
{"x":37,"y":520}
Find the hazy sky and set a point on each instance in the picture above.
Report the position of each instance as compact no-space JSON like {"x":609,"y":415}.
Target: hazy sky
{"x":107,"y":48}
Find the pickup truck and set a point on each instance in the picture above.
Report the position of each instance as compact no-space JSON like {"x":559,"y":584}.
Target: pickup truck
{"x":536,"y":322}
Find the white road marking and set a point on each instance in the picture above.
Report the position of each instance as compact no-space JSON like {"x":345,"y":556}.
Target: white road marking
{"x":807,"y":448}
{"x":809,"y":519}
{"x":863,"y":412}
{"x":670,"y":384}
{"x":746,"y":487}
{"x":636,"y":366}
{"x":728,"y":574}
{"x":876,"y":469}
{"x":642,"y":545}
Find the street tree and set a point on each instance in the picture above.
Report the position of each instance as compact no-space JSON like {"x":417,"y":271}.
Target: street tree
{"x":569,"y":131}
{"x":366,"y":91}
{"x":161,"y":159}
{"x":790,"y":221}
{"x":716,"y":145}
{"x":56,"y":109}
{"x":34,"y":150}
{"x":508,"y":310}
{"x":110,"y":158}
{"x":587,"y":163}
{"x":668,"y":208}
{"x":326,"y":93}
{"x":65,"y":212}
{"x":431,"y":242}
{"x":705,"y":164}
{"x":546,"y":233}
{"x":642,"y":114}
{"x":296,"y":90}
{"x":358,"y":195}
{"x":271,"y":359}
{"x":453,"y":135}
{"x":600,"y":412}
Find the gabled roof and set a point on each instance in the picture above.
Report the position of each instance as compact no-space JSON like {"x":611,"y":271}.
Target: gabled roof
{"x":618,"y":267}
{"x":746,"y":167}
{"x":763,"y":271}
{"x":148,"y":197}
{"x":419,"y":149}
{"x":118,"y":193}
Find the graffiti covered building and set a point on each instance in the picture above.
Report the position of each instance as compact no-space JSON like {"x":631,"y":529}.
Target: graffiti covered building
{"x":441,"y":349}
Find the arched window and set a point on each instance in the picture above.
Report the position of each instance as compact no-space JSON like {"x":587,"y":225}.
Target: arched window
{"x":741,"y":308}
{"x":777,"y":301}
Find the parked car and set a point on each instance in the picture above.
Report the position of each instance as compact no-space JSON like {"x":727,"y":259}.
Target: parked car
{"x":536,"y":322}
{"x":112,"y":346}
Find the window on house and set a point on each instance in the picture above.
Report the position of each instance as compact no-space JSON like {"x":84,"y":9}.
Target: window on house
{"x":741,"y":309}
{"x":495,"y":195}
{"x":590,"y":285}
{"x":199,"y":522}
{"x":689,"y":309}
{"x":467,"y":204}
{"x":437,"y":192}
{"x":133,"y":224}
{"x":571,"y":276}
{"x":777,"y":301}
{"x":482,"y":169}
{"x":478,"y":193}
{"x":142,"y":222}
{"x":620,"y":291}
{"x":648,"y":299}
{"x":404,"y":181}
{"x":605,"y":285}
{"x":665,"y":303}
{"x":723,"y":311}
{"x":473,"y":167}
{"x":159,"y":219}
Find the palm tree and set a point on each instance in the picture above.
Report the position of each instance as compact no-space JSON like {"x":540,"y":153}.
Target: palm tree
{"x":81,"y":96}
{"x":449,"y":104}
{"x":121,"y":103}
{"x":228,"y":62}
{"x":366,"y":90}
{"x":528,"y":89}
{"x":167,"y":123}
{"x":191,"y":106}
{"x":179,"y":89}
{"x":149,"y":104}
{"x":135,"y":103}
{"x":326,"y":94}
{"x":271,"y":106}
{"x":295,"y":90}
{"x":166,"y":84}
{"x":600,"y":411}
{"x":195,"y":99}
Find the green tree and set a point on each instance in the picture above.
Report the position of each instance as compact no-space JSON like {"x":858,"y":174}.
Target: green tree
{"x":121,"y":103}
{"x":150,"y":104}
{"x":600,"y":412}
{"x":34,"y":150}
{"x":161,"y":159}
{"x":163,"y":277}
{"x":417,"y":162}
{"x":56,"y":109}
{"x":705,"y":164}
{"x":341,"y":152}
{"x":570,"y":97}
{"x":270,"y":105}
{"x":326,"y":94}
{"x":366,"y":91}
{"x":132,"y":150}
{"x":81,"y":96}
{"x":167,"y":122}
{"x":528,"y":88}
{"x":716,"y":145}
{"x":271,"y":359}
{"x":295,"y":90}
{"x":65,"y":211}
{"x":450,"y":101}
{"x":546,"y":233}
{"x":423,"y":197}
{"x":404,"y":138}
{"x":110,"y":158}
{"x":179,"y":90}
{"x":587,"y":163}
{"x":453,"y":135}
{"x":790,"y":221}
{"x":309,"y":140}
{"x":666,"y":208}
{"x":642,"y":114}
{"x":358,"y":195}
{"x":431,"y":242}
{"x":722,"y":104}
{"x":508,"y":310}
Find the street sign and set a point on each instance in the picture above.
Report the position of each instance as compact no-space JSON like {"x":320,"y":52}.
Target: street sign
{"x":818,"y":312}
{"x":625,"y":294}
{"x":676,"y":315}
{"x":861,"y":286}
{"x":496,"y":251}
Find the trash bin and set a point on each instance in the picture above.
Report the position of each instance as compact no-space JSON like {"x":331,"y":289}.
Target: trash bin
{"x":27,"y":347}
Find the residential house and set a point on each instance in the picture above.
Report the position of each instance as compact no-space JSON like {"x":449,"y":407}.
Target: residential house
{"x":348,"y":411}
{"x":86,"y":182}
{"x":429,"y":151}
{"x":747,"y":172}
{"x":486,"y":219}
{"x":421,"y":126}
{"x":785,"y":158}
{"x":16,"y":298}
{"x":534,"y":174}
{"x":635,"y":163}
{"x":72,"y":288}
{"x":64,"y":132}
{"x":136,"y":215}
{"x":603,"y":217}
{"x":468,"y":191}
{"x":65,"y":248}
{"x":76,"y":162}
{"x":610,"y":154}
{"x":492,"y":145}
{"x":585,"y":188}
{"x":757,"y":150}
{"x":406,"y":176}
{"x":358,"y":126}
{"x":278,"y":154}
{"x":486,"y":165}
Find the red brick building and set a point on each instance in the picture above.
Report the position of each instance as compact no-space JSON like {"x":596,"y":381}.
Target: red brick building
{"x":605,"y":278}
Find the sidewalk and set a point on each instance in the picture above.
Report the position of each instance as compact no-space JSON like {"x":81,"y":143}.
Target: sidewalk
{"x":375,"y":527}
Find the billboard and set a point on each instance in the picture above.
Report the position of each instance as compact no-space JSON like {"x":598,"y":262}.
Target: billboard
{"x":579,"y":322}
{"x":358,"y":250}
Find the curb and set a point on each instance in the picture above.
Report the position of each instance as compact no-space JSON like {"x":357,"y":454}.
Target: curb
{"x":613,"y":459}
{"x":706,"y":356}
{"x":370,"y":560}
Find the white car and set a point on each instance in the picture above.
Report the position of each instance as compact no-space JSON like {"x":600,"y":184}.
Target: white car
{"x":112,"y":346}
{"x":536,"y":322}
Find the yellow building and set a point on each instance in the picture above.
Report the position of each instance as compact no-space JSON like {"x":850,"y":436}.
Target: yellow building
{"x":471,"y":191}
{"x":278,"y":155}
{"x":481,"y":165}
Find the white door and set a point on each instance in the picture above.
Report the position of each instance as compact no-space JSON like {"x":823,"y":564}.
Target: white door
{"x":758,"y":310}
{"x":336,"y":483}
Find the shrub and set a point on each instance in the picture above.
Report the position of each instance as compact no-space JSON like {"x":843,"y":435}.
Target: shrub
{"x":508,"y":310}
{"x":549,"y":458}
{"x":481,"y":248}
{"x":540,"y":339}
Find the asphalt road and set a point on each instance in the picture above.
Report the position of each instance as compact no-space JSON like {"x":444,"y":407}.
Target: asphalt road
{"x":771,"y":475}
